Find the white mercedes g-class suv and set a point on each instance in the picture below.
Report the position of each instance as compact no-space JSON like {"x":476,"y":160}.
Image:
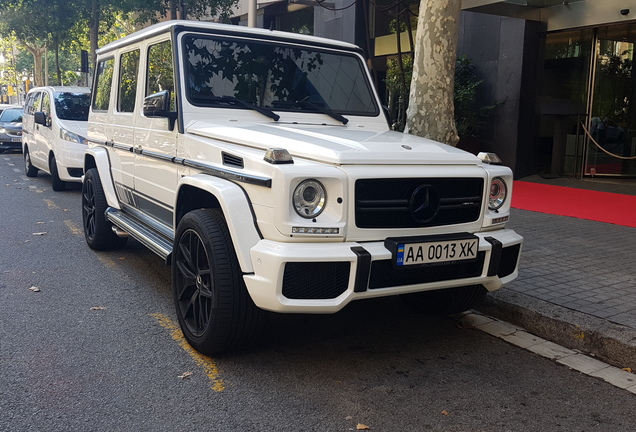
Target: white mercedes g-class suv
{"x":260,"y":166}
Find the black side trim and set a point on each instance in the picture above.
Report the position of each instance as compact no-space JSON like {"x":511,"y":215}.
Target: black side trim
{"x":495,"y":255}
{"x":363,"y":268}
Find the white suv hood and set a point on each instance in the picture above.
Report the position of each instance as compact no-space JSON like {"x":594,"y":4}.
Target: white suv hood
{"x":337,"y":144}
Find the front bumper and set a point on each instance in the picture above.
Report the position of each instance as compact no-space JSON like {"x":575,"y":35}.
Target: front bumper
{"x":325,"y":277}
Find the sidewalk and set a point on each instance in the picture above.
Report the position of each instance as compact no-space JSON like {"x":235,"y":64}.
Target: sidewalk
{"x":577,"y":279}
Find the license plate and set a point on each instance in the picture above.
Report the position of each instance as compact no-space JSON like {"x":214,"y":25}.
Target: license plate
{"x":436,"y":251}
{"x":16,"y":139}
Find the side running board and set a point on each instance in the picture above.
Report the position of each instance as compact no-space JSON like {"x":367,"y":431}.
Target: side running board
{"x":141,"y":232}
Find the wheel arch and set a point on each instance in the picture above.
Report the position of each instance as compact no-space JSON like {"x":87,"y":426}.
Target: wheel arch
{"x":204,"y":191}
{"x":98,"y":158}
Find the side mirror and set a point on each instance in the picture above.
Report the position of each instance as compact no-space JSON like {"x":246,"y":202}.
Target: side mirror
{"x":157,"y":105}
{"x":39,"y":118}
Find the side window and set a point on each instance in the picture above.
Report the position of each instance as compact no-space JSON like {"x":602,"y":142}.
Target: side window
{"x":103,"y":81}
{"x":46,"y":107}
{"x":160,"y":73}
{"x":28,"y":104}
{"x":35,"y":104}
{"x":128,"y":68}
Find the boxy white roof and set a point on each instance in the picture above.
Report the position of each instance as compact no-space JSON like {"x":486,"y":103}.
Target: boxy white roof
{"x":166,"y":26}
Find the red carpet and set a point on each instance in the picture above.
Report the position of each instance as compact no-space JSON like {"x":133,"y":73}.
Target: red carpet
{"x":579,"y":203}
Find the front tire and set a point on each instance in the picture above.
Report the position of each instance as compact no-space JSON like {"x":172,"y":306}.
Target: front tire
{"x":98,"y":230}
{"x":446,"y":301}
{"x":29,"y":169}
{"x":56,"y":183}
{"x":213,"y":306}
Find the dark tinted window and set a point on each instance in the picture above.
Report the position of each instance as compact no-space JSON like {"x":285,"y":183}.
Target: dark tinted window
{"x":103,"y":80}
{"x":72,"y":106}
{"x":273,"y":76}
{"x":160,"y":73}
{"x":12,"y":115}
{"x":128,"y":69}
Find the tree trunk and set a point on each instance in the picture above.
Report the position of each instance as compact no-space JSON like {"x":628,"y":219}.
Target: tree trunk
{"x":58,"y":71}
{"x":430,"y":111}
{"x":37,"y":53}
{"x":93,"y":30}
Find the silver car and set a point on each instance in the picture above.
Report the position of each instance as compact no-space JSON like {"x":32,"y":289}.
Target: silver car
{"x":11,"y":129}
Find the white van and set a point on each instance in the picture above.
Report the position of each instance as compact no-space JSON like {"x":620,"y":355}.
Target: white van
{"x":54,"y":131}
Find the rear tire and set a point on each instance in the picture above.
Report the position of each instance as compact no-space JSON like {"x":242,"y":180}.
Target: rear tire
{"x":56,"y":183}
{"x":446,"y":301}
{"x":98,"y":230}
{"x":215,"y":311}
{"x":29,"y":169}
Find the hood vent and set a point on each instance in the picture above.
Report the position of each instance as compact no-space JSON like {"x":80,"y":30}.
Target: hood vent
{"x":231,"y":160}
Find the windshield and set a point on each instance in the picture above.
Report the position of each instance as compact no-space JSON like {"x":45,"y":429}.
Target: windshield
{"x":276,"y":77}
{"x":72,"y":106}
{"x":12,"y":115}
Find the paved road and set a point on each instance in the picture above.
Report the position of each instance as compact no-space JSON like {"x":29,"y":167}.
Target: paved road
{"x":96,"y":350}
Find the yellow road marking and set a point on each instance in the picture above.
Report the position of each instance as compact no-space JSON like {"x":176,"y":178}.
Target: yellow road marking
{"x":106,"y":261}
{"x":208,"y":365}
{"x":74,"y":229}
{"x":51,"y":204}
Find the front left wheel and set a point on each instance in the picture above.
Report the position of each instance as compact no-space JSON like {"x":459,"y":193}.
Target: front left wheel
{"x":57,"y":184}
{"x":98,"y":230}
{"x":29,"y":169}
{"x":213,"y":306}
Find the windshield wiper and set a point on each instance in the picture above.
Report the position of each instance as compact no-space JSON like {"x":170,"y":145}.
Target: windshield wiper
{"x":234,"y":100}
{"x":334,"y":115}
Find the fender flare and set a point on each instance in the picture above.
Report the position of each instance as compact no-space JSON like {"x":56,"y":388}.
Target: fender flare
{"x":237,"y":211}
{"x":100,"y":160}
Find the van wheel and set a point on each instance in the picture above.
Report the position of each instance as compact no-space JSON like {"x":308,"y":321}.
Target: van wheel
{"x":446,"y":301}
{"x":214,"y":308}
{"x":98,"y":230}
{"x":29,"y":169}
{"x":56,"y":183}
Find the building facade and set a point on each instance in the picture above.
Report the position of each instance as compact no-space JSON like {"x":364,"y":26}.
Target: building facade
{"x":559,"y":72}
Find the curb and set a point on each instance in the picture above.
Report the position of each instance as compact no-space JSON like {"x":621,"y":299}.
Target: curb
{"x":613,"y":343}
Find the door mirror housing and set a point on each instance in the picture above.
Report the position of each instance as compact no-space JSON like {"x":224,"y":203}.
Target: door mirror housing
{"x":40,"y":118}
{"x":157,"y":105}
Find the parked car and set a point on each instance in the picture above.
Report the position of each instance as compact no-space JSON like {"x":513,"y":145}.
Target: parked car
{"x":54,"y":131}
{"x":11,"y":129}
{"x":5,"y":106}
{"x":260,"y":166}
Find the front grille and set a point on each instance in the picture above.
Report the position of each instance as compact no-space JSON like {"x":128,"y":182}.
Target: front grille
{"x":312,"y":281}
{"x":417,"y":202}
{"x":508,"y":262}
{"x":385,"y":275}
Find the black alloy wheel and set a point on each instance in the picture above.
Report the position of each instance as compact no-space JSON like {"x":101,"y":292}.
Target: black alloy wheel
{"x":214,"y":308}
{"x":98,"y":230}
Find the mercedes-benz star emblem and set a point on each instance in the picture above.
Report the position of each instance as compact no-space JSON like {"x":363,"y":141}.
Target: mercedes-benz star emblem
{"x":424,"y":203}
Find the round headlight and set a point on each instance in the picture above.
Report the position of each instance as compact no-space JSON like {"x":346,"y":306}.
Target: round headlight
{"x":498,"y":193}
{"x":309,"y":198}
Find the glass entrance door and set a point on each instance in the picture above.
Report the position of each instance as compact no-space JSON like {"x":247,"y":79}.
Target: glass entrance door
{"x":611,"y":145}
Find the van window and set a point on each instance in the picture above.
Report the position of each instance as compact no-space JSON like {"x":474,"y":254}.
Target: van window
{"x":72,"y":105}
{"x":128,"y":69}
{"x":160,"y":73}
{"x":103,"y":81}
{"x":46,"y":108}
{"x":29,"y":107}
